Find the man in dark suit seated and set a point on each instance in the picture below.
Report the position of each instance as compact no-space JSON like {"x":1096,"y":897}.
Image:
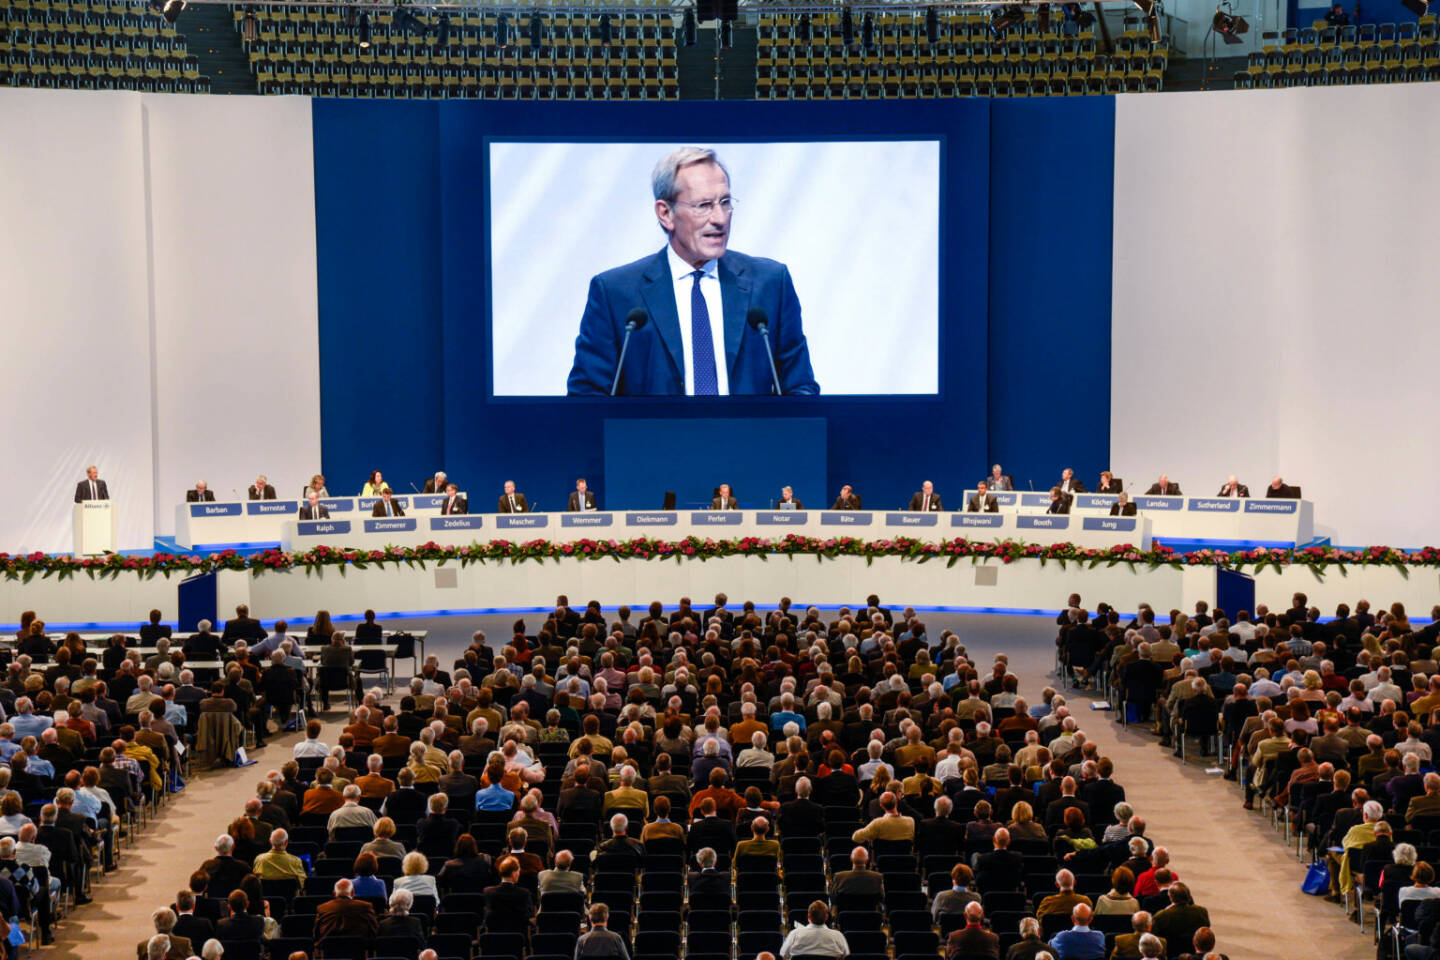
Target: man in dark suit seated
{"x":454,"y":503}
{"x":1001,"y":868}
{"x":787,"y":496}
{"x":926,"y":499}
{"x":241,"y":924}
{"x":972,"y":941}
{"x":1059,"y":501}
{"x":509,"y":908}
{"x":437,"y":483}
{"x":242,"y":626}
{"x":405,"y":804}
{"x":1122,"y":507}
{"x":1280,"y":490}
{"x":224,"y":869}
{"x":260,"y":489}
{"x":313,"y":509}
{"x":512,"y":502}
{"x":723,"y":499}
{"x":983,"y":501}
{"x":940,"y":834}
{"x":437,"y":830}
{"x":711,"y":829}
{"x":1233,"y":488}
{"x":581,"y":498}
{"x":1068,"y":484}
{"x":200,"y":493}
{"x":708,"y":880}
{"x":154,"y":630}
{"x":187,"y":925}
{"x":344,"y":916}
{"x":859,"y":881}
{"x":1163,"y":488}
{"x":386,"y":506}
{"x":848,"y":499}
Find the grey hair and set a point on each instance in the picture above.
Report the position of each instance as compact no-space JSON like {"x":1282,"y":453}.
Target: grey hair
{"x":662,"y":180}
{"x":1405,"y":854}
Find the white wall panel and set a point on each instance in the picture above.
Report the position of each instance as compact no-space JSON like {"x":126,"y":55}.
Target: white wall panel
{"x":1272,"y":306}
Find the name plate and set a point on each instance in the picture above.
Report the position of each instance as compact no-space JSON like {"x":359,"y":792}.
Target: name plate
{"x":723,"y":518}
{"x":1095,"y":501}
{"x":1109,"y":523}
{"x":319,"y":528}
{"x":265,"y":508}
{"x":1006,"y":498}
{"x":428,"y":501}
{"x":512,"y":521}
{"x":586,"y":519}
{"x":1272,"y":506}
{"x":1215,"y":504}
{"x":976,"y":520}
{"x":215,"y":510}
{"x":390,"y":525}
{"x":365,"y":503}
{"x":460,"y":522}
{"x":908,"y":519}
{"x":338,"y":504}
{"x":846,"y":518}
{"x":1160,"y":503}
{"x":1035,"y":498}
{"x":659,"y":519}
{"x":781,"y":518}
{"x":1052,"y":521}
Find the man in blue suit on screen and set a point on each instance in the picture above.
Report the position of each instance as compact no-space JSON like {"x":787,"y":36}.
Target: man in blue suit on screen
{"x":697,"y":309}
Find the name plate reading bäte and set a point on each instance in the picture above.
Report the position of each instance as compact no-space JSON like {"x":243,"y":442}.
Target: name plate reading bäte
{"x":586,"y":519}
{"x":338,"y":504}
{"x":215,"y":510}
{"x":261,"y":508}
{"x":906,"y":519}
{"x":1160,"y":503}
{"x":319,"y":528}
{"x":511,"y":521}
{"x":781,"y":518}
{"x":723,"y":518}
{"x":1048,"y":522}
{"x":1214,"y":504}
{"x":846,"y":518}
{"x":659,"y":518}
{"x":390,"y":525}
{"x":461,"y":522}
{"x":1272,"y":506}
{"x":976,"y":520}
{"x":1108,"y":523}
{"x":1095,"y":501}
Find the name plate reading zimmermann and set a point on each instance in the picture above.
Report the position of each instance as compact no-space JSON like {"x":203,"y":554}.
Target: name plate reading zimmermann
{"x":320,"y":528}
{"x":1108,"y":523}
{"x":659,"y":518}
{"x":462,"y":522}
{"x":976,"y":520}
{"x":1272,"y":506}
{"x":215,"y":510}
{"x":390,"y":525}
{"x":723,"y":518}
{"x":591,"y":519}
{"x":1048,"y":522}
{"x":898,"y":519}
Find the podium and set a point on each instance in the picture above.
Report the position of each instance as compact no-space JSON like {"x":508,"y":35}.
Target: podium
{"x":95,"y":527}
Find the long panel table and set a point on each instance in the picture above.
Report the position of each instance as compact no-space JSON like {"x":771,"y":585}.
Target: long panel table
{"x":1087,"y":531}
{"x":250,"y":523}
{"x":1253,"y":520}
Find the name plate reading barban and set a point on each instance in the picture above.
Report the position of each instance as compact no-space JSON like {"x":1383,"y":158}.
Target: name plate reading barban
{"x":215,"y":510}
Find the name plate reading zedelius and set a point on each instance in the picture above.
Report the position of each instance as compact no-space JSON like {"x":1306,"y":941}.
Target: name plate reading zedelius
{"x":930,"y":519}
{"x":976,"y":520}
{"x":390,"y":525}
{"x":460,"y":522}
{"x":1272,"y":506}
{"x":724,"y":518}
{"x":586,"y":519}
{"x":1215,"y":504}
{"x":215,"y":510}
{"x":511,"y":520}
{"x":319,"y":528}
{"x":846,"y":518}
{"x":1108,"y":523}
{"x":659,"y":519}
{"x":1052,"y":522}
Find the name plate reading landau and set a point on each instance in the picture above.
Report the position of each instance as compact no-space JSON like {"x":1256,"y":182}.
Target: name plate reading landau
{"x":1053,"y":521}
{"x":659,"y":518}
{"x":457,"y":522}
{"x":1272,"y":506}
{"x":781,"y":518}
{"x":319,"y":528}
{"x":908,"y":519}
{"x":511,"y":521}
{"x":591,"y":519}
{"x":215,"y":510}
{"x":846,"y":518}
{"x":1095,"y":501}
{"x":723,"y":518}
{"x":1109,"y":523}
{"x":1214,"y":504}
{"x":390,"y":525}
{"x":1160,"y":503}
{"x":258,"y":508}
{"x":976,"y":520}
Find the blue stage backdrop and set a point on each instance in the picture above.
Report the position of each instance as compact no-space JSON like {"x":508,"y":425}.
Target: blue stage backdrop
{"x":1024,"y":371}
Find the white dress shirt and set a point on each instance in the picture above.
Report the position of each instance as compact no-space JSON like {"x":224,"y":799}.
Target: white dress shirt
{"x":680,"y":272}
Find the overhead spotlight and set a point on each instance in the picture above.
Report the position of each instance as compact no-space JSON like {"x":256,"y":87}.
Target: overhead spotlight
{"x":364,"y":31}
{"x":606,"y":34}
{"x":687,"y":27}
{"x":1418,"y":7}
{"x":502,"y":30}
{"x":867,"y":31}
{"x":1229,"y":26}
{"x":932,"y":26}
{"x":172,"y":9}
{"x":1003,"y":18}
{"x":1042,"y":13}
{"x":442,"y":32}
{"x":535,"y":25}
{"x":249,"y":28}
{"x":727,"y":34}
{"x":847,"y":26}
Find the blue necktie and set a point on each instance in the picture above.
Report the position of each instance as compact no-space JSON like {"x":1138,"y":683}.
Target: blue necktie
{"x":707,"y":384}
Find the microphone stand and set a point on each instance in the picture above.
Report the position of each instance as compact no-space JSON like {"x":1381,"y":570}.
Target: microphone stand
{"x":763,"y":329}
{"x":630,"y":326}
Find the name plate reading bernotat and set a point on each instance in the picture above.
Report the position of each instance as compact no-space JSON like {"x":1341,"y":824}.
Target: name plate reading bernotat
{"x":1108,"y":523}
{"x":511,"y":521}
{"x":1214,"y":504}
{"x":717,"y":518}
{"x":846,"y":518}
{"x":586,"y":519}
{"x":1272,"y":506}
{"x":657,"y":519}
{"x":931,"y":519}
{"x":1048,"y":522}
{"x":781,"y":518}
{"x":390,"y":525}
{"x":462,"y":522}
{"x":320,"y":528}
{"x":976,"y":520}
{"x":265,"y":508}
{"x":215,"y":510}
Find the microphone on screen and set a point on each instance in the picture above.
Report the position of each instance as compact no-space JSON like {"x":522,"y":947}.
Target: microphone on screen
{"x":634,"y":320}
{"x":759,"y":321}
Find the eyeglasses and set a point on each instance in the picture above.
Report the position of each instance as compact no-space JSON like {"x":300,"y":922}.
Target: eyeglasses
{"x":707,"y":207}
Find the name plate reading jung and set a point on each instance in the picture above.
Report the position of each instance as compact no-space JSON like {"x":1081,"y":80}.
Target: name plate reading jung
{"x":365,"y":503}
{"x":781,"y":518}
{"x":723,"y":518}
{"x":976,"y":520}
{"x":338,"y":504}
{"x":1160,"y":503}
{"x":586,"y":519}
{"x":265,"y":508}
{"x":1272,"y":506}
{"x":319,"y":528}
{"x":1215,"y":504}
{"x":390,"y":525}
{"x":461,"y":522}
{"x":1125,"y":524}
{"x":1047,"y":522}
{"x":215,"y":510}
{"x":907,"y":519}
{"x":658,"y":519}
{"x":1095,"y":501}
{"x":846,"y":518}
{"x":512,"y":521}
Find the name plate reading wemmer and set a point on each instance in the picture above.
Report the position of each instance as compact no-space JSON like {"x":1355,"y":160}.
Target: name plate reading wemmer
{"x":976,"y":520}
{"x":782,"y":518}
{"x":390,"y":525}
{"x":1272,"y":506}
{"x":660,"y":518}
{"x":215,"y":510}
{"x":1055,"y":521}
{"x":1214,"y":504}
{"x":512,"y":521}
{"x":898,"y":519}
{"x":319,"y":528}
{"x":1160,"y":503}
{"x":462,"y":522}
{"x":846,"y":518}
{"x":1108,"y":523}
{"x":722,"y":518}
{"x":265,"y":508}
{"x":586,"y":519}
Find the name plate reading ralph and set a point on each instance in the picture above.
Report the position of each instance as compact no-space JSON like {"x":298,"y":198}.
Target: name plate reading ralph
{"x":659,"y":518}
{"x":1215,"y":504}
{"x":1272,"y":506}
{"x":1125,"y":524}
{"x":215,"y":510}
{"x":722,"y":518}
{"x":1160,"y":503}
{"x":462,"y":522}
{"x":265,"y":508}
{"x":781,"y":518}
{"x":916,"y":519}
{"x":846,"y":518}
{"x":390,"y":525}
{"x":976,"y":520}
{"x":320,"y":528}
{"x":586,"y":519}
{"x":1055,"y":521}
{"x":512,"y":521}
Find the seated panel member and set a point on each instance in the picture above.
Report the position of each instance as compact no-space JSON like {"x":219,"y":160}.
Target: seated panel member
{"x":724,"y":500}
{"x":983,"y":501}
{"x":1280,"y":490}
{"x":696,"y":294}
{"x":201,"y":493}
{"x":260,"y":489}
{"x":374,"y":485}
{"x":582,"y":498}
{"x":313,"y":509}
{"x":92,"y":487}
{"x":1108,"y":483}
{"x":1068,"y":484}
{"x":1122,"y":507}
{"x":317,"y":484}
{"x":1059,"y":502}
{"x":1233,"y":488}
{"x":386,"y":506}
{"x":927,"y":499}
{"x":787,"y":495}
{"x":1163,"y":488}
{"x":512,"y":502}
{"x":436,"y":484}
{"x":999,"y":480}
{"x":848,"y":499}
{"x":454,"y":503}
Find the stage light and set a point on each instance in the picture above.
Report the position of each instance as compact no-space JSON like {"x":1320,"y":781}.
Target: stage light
{"x":172,"y":9}
{"x":932,"y":26}
{"x":1418,"y":7}
{"x":847,"y":26}
{"x":687,"y":27}
{"x":605,"y":32}
{"x":535,"y":25}
{"x":364,"y":31}
{"x":727,"y":34}
{"x":443,"y":30}
{"x":1229,"y":26}
{"x":502,"y":30}
{"x":249,"y":28}
{"x":1003,"y":18}
{"x":867,"y":32}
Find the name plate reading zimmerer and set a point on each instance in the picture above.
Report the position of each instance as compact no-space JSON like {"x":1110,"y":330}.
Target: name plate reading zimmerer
{"x":390,"y":525}
{"x":1215,"y":504}
{"x":461,"y":522}
{"x":215,"y":510}
{"x":724,"y":518}
{"x":512,"y":520}
{"x":1160,"y":503}
{"x":586,"y":519}
{"x":658,"y":519}
{"x":931,"y":519}
{"x":1272,"y":506}
{"x":256,"y":508}
{"x":846,"y":518}
{"x":1048,"y":522}
{"x":781,"y":518}
{"x":1095,"y":501}
{"x":976,"y":520}
{"x":338,"y":504}
{"x":1108,"y":523}
{"x":319,"y":528}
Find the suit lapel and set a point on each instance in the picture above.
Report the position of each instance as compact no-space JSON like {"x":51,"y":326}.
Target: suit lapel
{"x":659,"y":295}
{"x":735,"y":297}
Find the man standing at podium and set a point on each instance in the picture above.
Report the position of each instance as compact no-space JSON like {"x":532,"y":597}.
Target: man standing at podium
{"x":201,"y":494}
{"x":92,"y":487}
{"x":581,"y":499}
{"x":454,"y":503}
{"x":261,"y":489}
{"x":313,"y":508}
{"x":512,"y":502}
{"x":385,"y":506}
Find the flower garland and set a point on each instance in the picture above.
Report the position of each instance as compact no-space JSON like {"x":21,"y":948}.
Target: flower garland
{"x":25,"y":567}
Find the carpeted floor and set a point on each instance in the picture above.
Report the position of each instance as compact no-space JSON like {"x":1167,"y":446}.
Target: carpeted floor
{"x":1237,"y":866}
